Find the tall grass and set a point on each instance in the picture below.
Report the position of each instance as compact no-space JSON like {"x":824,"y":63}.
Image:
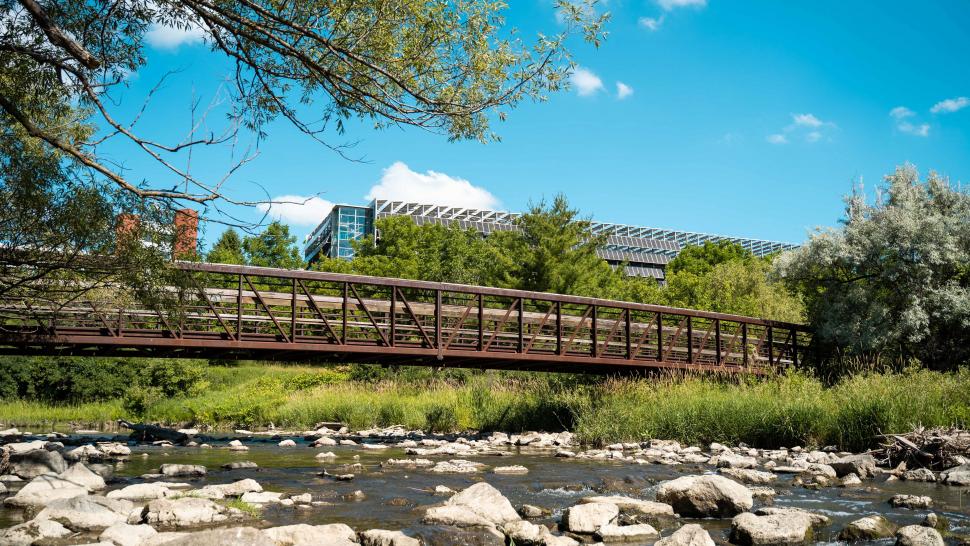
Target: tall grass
{"x":785,"y":410}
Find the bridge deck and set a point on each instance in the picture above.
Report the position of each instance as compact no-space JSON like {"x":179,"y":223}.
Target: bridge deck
{"x":249,"y":312}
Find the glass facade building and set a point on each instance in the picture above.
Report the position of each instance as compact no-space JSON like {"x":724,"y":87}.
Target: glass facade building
{"x":642,"y":251}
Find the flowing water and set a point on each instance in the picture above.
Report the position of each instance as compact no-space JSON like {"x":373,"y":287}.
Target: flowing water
{"x":396,"y":498}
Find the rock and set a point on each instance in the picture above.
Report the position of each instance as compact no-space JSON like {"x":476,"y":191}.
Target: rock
{"x":183,"y":512}
{"x":43,"y":490}
{"x":746,"y":475}
{"x":327,"y":455}
{"x":868,"y":528}
{"x":626,"y":533}
{"x":410,"y":463}
{"x":958,"y":475}
{"x":287,"y":443}
{"x":457,"y":516}
{"x":457,"y":466}
{"x":851,"y":480}
{"x":862,"y":465}
{"x":84,"y":452}
{"x":114,"y":450}
{"x":463,"y":536}
{"x":705,"y":496}
{"x":487,"y":502}
{"x":816,"y":518}
{"x":443,"y":490}
{"x":691,"y":534}
{"x":380,"y":537}
{"x":36,"y":462}
{"x":236,"y":536}
{"x":919,"y":475}
{"x":514,"y":469}
{"x":325,"y":441}
{"x":937,"y":522}
{"x":304,"y":498}
{"x":913,"y":502}
{"x":33,"y":531}
{"x":335,"y":534}
{"x":182,"y":470}
{"x":235,"y":489}
{"x":262,"y":497}
{"x":730,"y":460}
{"x":87,"y":512}
{"x":81,"y":476}
{"x":240,"y":465}
{"x":587,"y":518}
{"x":631,"y":506}
{"x":748,"y":529}
{"x":917,"y":535}
{"x":551,"y":540}
{"x":142,"y":492}
{"x":122,"y":534}
{"x":526,"y":534}
{"x":532,"y":512}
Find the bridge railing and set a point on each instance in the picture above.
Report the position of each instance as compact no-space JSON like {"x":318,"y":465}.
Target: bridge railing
{"x":226,"y":310}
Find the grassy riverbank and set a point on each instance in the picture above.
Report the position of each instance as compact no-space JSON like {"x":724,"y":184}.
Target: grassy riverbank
{"x":787,"y":410}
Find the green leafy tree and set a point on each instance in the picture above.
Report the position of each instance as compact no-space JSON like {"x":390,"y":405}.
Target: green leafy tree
{"x":227,"y":250}
{"x":895,"y":277}
{"x":273,"y":247}
{"x":701,"y":259}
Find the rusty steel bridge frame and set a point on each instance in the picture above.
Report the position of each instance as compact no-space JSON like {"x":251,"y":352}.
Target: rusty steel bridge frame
{"x":244,"y":312}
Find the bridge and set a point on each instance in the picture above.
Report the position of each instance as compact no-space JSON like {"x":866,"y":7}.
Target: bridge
{"x":244,"y":312}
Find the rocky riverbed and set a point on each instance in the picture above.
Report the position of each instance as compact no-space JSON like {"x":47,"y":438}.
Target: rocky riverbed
{"x":393,"y":487}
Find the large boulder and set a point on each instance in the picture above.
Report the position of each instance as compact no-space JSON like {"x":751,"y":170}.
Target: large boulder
{"x":862,"y":465}
{"x":626,"y":533}
{"x":183,"y":512}
{"x":82,"y":476}
{"x":705,"y":496}
{"x":36,"y":462}
{"x":335,"y":534}
{"x":87,"y":512}
{"x":524,"y":533}
{"x":748,"y":529}
{"x":33,"y":531}
{"x":913,"y":502}
{"x":142,"y":492}
{"x":917,"y":535}
{"x":691,"y":534}
{"x":381,"y":537}
{"x":43,"y":490}
{"x":588,"y":518}
{"x":958,"y":475}
{"x":634,"y":507}
{"x":868,"y":528}
{"x":487,"y":502}
{"x":235,"y":489}
{"x":123,"y":534}
{"x":182,"y":470}
{"x":236,"y":536}
{"x":731,"y":460}
{"x":748,"y":475}
{"x":455,"y":516}
{"x":816,"y":518}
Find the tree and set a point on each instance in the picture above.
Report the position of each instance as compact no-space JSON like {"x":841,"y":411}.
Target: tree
{"x":273,"y":247}
{"x":895,"y":277}
{"x":701,"y":259}
{"x":227,"y":250}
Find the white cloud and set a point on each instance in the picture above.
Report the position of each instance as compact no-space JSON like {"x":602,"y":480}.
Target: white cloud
{"x":297,"y":210}
{"x":901,"y":112}
{"x":778,"y":138}
{"x":586,"y":82}
{"x":166,"y":37}
{"x":807,"y":120}
{"x":623,"y":90}
{"x":400,"y":183}
{"x":922,"y":129}
{"x":951,"y":105}
{"x":669,"y":5}
{"x":651,"y":23}
{"x":813,"y":136}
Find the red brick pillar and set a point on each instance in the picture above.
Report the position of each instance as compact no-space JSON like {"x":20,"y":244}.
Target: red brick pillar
{"x":186,"y":234}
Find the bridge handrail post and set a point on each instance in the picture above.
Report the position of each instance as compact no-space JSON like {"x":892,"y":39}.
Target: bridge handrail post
{"x":629,"y":329}
{"x":481,"y":321}
{"x":594,"y":349}
{"x":393,"y":317}
{"x":690,"y":339}
{"x":437,"y":321}
{"x":794,"y":347}
{"x":343,"y":320}
{"x":717,"y":341}
{"x":744,"y":342}
{"x":239,"y":291}
{"x":558,"y":327}
{"x":293,"y":313}
{"x":660,"y":336}
{"x":771,"y":346}
{"x":521,"y":342}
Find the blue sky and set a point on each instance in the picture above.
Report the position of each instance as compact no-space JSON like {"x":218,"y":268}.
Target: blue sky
{"x":742,"y":118}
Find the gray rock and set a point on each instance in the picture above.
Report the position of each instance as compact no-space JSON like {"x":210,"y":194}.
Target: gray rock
{"x":33,"y":531}
{"x":123,"y":534}
{"x":631,"y":506}
{"x":236,"y":536}
{"x":913,"y":502}
{"x":262,"y":497}
{"x":33,"y":463}
{"x":919,"y":475}
{"x":43,"y":490}
{"x":240,"y":465}
{"x":531,"y":512}
{"x":183,"y":512}
{"x":487,"y":502}
{"x":868,"y":528}
{"x":748,"y":529}
{"x":626,"y":533}
{"x":691,"y":534}
{"x":588,"y":518}
{"x":381,"y":537}
{"x":917,"y":535}
{"x":817,"y":519}
{"x":958,"y":475}
{"x":513,"y":469}
{"x":182,"y":470}
{"x":456,"y":516}
{"x":142,"y":492}
{"x":80,"y":475}
{"x":862,"y":465}
{"x":87,"y":512}
{"x":705,"y":496}
{"x":525,"y":533}
{"x":730,"y":460}
{"x":747,"y":475}
{"x":235,"y":489}
{"x":334,"y":534}
{"x":463,"y":536}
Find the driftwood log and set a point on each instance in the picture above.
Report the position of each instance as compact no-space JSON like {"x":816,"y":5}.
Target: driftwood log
{"x":936,"y":448}
{"x":153,"y":433}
